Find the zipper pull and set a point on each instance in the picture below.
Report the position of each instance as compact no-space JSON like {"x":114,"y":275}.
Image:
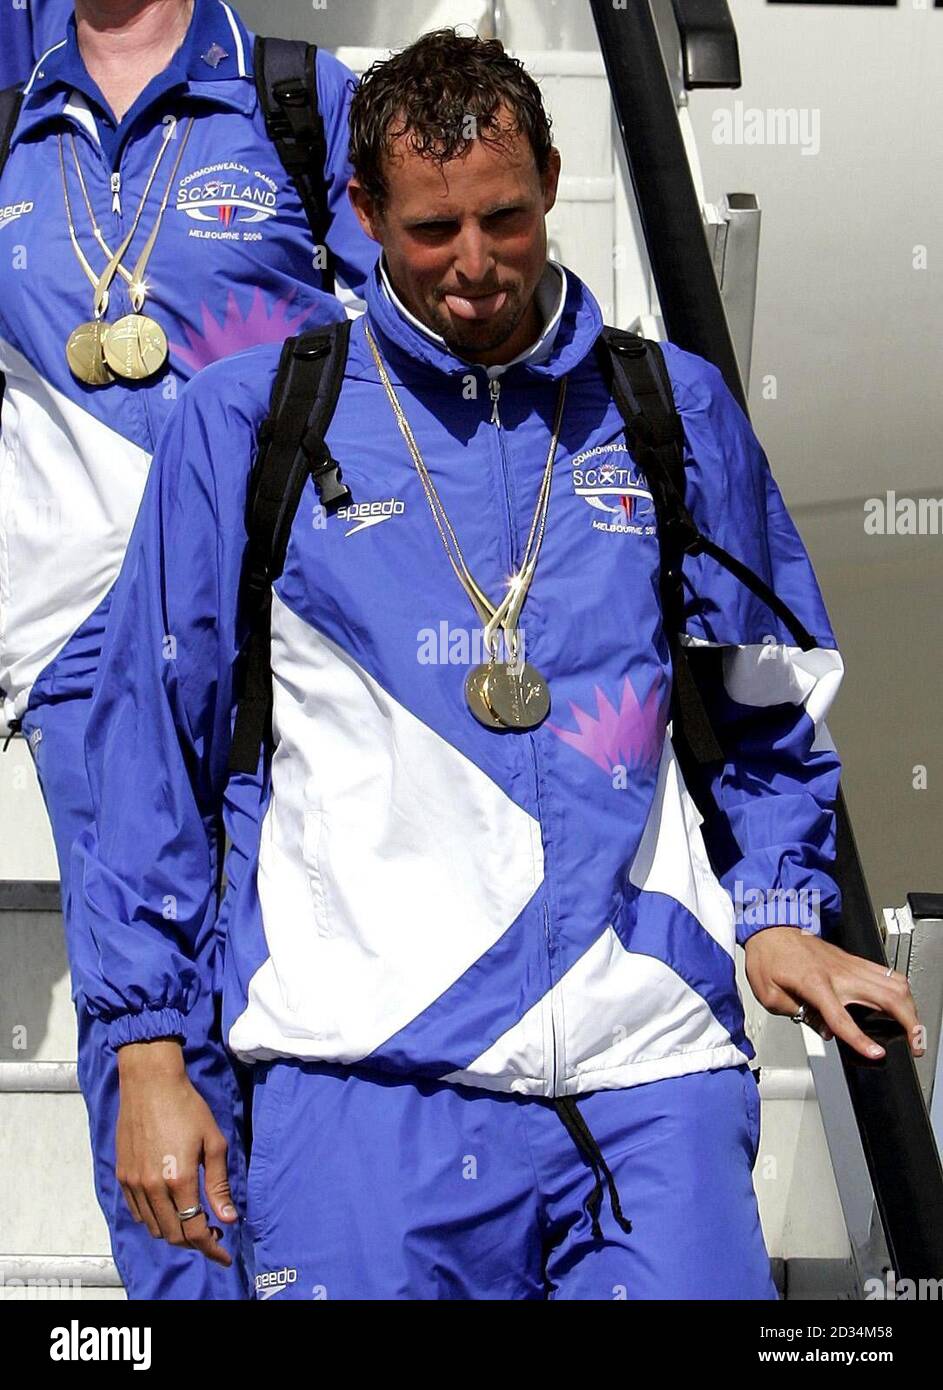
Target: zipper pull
{"x":116,"y":193}
{"x":494,"y":391}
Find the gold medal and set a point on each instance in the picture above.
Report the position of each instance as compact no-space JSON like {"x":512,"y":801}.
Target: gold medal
{"x":475,"y":696}
{"x":135,"y":347}
{"x":517,"y":694}
{"x":85,"y":356}
{"x":501,"y":695}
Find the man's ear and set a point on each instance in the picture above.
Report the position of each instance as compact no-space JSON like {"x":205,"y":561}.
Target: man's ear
{"x":365,"y":208}
{"x":551,"y":179}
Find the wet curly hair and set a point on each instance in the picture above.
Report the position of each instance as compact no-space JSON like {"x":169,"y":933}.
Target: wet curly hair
{"x":427,"y":93}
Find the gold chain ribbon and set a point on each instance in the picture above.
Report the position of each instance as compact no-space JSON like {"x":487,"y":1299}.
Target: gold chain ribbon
{"x":102,"y":283}
{"x":507,"y":613}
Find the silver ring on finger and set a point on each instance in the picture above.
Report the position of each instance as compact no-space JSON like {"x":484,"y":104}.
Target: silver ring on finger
{"x":888,"y":972}
{"x":189,"y":1213}
{"x":801,"y":1014}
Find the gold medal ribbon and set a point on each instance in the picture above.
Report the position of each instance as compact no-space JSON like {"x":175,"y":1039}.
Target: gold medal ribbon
{"x":506,"y":614}
{"x":96,"y":229}
{"x":135,"y":279}
{"x":138,"y":293}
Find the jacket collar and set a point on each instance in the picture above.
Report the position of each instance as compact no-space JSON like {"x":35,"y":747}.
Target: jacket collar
{"x":571,"y":327}
{"x":550,"y":296}
{"x":214,"y":61}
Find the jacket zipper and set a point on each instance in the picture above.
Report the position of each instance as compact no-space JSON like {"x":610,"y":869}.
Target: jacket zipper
{"x":494,"y":391}
{"x":137,"y":404}
{"x":550,"y":1011}
{"x":116,"y":183}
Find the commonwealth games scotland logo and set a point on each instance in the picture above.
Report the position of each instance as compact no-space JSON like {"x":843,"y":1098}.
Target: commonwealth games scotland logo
{"x":610,"y":483}
{"x":227,"y":193}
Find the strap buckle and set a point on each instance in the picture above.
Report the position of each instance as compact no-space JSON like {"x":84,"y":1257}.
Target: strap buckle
{"x":629,"y":344}
{"x":278,"y":127}
{"x":258,"y":586}
{"x":327,"y":474}
{"x":683,"y":532}
{"x":290,"y":91}
{"x":312,"y":348}
{"x":290,"y":122}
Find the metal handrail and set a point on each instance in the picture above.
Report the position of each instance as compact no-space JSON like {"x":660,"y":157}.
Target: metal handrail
{"x":710,"y":56}
{"x":886,"y":1095}
{"x":30,"y":895}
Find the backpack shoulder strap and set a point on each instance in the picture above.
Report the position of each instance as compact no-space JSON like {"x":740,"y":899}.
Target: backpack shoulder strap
{"x":635,"y":371}
{"x":292,"y":448}
{"x":641,"y":388}
{"x":286,"y":81}
{"x":638,"y":378}
{"x":11,"y":100}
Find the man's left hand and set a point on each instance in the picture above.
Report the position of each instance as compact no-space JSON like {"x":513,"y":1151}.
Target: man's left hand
{"x":788,"y":967}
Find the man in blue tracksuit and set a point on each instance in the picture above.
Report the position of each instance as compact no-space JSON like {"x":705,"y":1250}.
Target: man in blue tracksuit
{"x":479,"y":962}
{"x":148,"y":122}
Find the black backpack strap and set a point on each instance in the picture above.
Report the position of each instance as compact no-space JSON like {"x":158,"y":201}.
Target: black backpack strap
{"x":655,"y":439}
{"x":642,"y":389}
{"x":11,"y":100}
{"x":635,"y":371}
{"x":292,"y":449}
{"x":286,"y":81}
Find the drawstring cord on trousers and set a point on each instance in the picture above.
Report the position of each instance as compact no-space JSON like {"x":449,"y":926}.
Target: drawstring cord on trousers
{"x":14,"y":728}
{"x":588,"y":1148}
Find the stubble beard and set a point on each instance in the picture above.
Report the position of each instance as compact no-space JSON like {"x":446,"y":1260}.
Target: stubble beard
{"x":466,"y":337}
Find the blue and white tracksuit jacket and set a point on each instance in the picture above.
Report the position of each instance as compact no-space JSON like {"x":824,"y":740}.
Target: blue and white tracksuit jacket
{"x":232,"y":268}
{"x":530,"y":914}
{"x":527,"y":914}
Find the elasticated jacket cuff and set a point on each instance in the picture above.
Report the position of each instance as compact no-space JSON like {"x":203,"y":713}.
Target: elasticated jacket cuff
{"x":145,"y":1027}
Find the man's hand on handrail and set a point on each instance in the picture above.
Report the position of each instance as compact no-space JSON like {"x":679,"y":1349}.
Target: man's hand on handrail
{"x":788,"y":967}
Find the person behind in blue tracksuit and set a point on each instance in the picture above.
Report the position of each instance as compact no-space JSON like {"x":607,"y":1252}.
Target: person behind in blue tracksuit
{"x":27,"y":29}
{"x":480,"y":963}
{"x":141,"y":127}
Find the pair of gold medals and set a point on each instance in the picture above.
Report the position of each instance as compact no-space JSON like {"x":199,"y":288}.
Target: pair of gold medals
{"x":500,"y":694}
{"x":133,"y":348}
{"x":507,"y":695}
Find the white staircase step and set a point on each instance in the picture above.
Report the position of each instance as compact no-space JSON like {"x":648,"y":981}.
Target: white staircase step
{"x":37,"y":1017}
{"x":49,"y":1204}
{"x":19,"y":1077}
{"x":50,"y":1211}
{"x":58,"y":1277}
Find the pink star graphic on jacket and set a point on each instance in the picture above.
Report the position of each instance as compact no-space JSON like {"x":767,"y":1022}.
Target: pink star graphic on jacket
{"x":263,"y":323}
{"x":631,"y":736}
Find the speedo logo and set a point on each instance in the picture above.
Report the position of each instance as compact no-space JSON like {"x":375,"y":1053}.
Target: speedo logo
{"x":13,"y":211}
{"x":366,"y":514}
{"x":276,"y":1281}
{"x":608,"y":481}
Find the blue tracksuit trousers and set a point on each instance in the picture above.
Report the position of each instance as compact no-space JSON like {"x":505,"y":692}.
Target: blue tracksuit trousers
{"x":364,"y":1187}
{"x":149,"y":1268}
